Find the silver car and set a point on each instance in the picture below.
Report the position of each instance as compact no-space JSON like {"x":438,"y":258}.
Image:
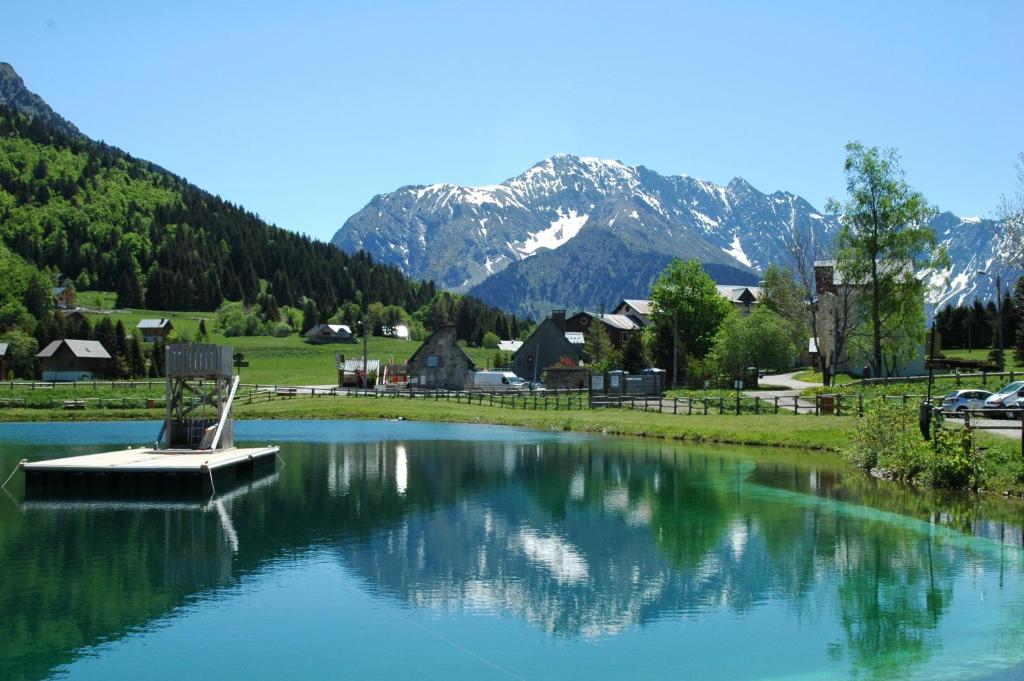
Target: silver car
{"x":962,"y":400}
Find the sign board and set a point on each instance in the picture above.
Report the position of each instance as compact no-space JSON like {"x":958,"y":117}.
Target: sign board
{"x":241,"y":363}
{"x":707,"y":384}
{"x":597,"y":382}
{"x":613,"y":380}
{"x":738,"y":384}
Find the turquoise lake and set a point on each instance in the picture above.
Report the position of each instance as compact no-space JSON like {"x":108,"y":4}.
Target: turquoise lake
{"x":399,"y":550}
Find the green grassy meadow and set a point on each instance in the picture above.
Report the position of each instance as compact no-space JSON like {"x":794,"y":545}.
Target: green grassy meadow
{"x":288,"y":360}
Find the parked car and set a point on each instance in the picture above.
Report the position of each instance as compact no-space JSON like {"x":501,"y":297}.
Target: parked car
{"x":1009,"y":397}
{"x":962,"y":400}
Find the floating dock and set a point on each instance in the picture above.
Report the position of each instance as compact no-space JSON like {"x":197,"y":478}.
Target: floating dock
{"x":146,"y":471}
{"x":194,"y":450}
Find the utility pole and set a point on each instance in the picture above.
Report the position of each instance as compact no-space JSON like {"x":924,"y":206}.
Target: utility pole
{"x":366,"y":376}
{"x":675,"y":347}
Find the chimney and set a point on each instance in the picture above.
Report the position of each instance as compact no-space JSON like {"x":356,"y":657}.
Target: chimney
{"x":558,"y":317}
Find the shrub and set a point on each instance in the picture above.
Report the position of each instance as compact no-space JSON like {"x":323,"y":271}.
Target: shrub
{"x":888,"y":438}
{"x":490,"y":340}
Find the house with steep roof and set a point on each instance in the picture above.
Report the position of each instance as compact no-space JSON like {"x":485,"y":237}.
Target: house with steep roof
{"x":4,"y":360}
{"x":547,"y":346}
{"x":73,"y":360}
{"x":330,"y":333}
{"x":637,"y":310}
{"x":743,"y":298}
{"x":153,"y":330}
{"x":440,"y":363}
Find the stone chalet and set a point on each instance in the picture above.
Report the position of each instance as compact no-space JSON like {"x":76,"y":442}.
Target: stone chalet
{"x":153,"y":330}
{"x":440,"y":363}
{"x":73,"y":360}
{"x":548,"y":345}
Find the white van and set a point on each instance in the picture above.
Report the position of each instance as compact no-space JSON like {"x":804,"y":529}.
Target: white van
{"x":497,"y":380}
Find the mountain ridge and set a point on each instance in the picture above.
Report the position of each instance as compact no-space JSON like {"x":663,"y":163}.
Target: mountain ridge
{"x":463,"y":236}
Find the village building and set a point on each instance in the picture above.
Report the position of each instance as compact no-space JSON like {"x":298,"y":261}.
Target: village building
{"x":838,"y":310}
{"x":743,"y":298}
{"x":509,"y":345}
{"x":64,"y":297}
{"x":73,"y":360}
{"x":330,"y":333}
{"x":637,"y":310}
{"x":153,"y":330}
{"x":353,"y":372}
{"x":4,"y":360}
{"x":617,"y":326}
{"x":73,"y":315}
{"x":440,"y":363}
{"x":547,"y":346}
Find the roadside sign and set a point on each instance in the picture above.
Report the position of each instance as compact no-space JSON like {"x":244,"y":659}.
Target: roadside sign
{"x":738,"y":384}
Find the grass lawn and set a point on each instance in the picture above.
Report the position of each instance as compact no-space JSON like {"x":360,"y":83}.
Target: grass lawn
{"x":289,"y":360}
{"x":1012,"y":363}
{"x":820,"y":433}
{"x":816,"y":377}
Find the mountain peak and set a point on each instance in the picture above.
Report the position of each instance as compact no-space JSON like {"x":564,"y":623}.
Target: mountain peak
{"x":16,"y":95}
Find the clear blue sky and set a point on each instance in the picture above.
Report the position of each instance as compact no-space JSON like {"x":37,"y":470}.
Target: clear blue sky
{"x":302,"y":111}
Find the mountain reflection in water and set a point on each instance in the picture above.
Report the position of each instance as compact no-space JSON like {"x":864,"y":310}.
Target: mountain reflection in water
{"x":581,"y":538}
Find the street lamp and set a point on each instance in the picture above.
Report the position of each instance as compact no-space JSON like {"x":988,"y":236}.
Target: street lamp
{"x":999,"y":316}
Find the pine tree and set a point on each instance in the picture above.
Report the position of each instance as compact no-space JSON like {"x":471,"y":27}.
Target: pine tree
{"x":136,"y":365}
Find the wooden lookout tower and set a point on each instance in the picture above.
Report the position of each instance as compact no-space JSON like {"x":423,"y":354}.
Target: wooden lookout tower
{"x":200,"y":388}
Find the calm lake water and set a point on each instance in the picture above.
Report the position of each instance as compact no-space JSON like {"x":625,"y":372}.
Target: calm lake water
{"x":400,"y":550}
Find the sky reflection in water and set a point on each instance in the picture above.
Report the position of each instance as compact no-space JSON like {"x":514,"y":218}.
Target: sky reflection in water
{"x":404,"y":550}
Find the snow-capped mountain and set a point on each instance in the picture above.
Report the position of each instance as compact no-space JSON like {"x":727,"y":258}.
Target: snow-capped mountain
{"x":461,"y":236}
{"x":972,"y":246}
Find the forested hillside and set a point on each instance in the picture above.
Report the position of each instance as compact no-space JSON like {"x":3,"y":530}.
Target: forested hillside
{"x":108,"y":221}
{"x":112,"y":222}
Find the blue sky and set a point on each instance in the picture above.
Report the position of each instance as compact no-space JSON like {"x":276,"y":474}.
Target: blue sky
{"x":302,"y":111}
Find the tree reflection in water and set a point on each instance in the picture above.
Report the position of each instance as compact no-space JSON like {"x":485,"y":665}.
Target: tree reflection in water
{"x":580,"y":538}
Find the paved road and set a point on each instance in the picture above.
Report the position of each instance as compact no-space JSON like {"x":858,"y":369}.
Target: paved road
{"x":793,"y":388}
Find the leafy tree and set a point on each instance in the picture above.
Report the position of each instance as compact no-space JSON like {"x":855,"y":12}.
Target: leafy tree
{"x":21,"y":353}
{"x":490,"y":340}
{"x":761,"y":340}
{"x":1011,"y":213}
{"x":685,"y":304}
{"x":781,"y":294}
{"x":202,"y":329}
{"x":502,"y":359}
{"x":883,"y":238}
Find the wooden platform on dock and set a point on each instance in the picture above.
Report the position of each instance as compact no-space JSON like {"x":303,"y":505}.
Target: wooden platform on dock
{"x":147,"y":460}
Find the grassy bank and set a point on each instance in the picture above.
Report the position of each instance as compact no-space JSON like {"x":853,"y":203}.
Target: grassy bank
{"x":782,"y":431}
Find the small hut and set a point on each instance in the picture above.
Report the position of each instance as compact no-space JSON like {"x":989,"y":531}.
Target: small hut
{"x":153,"y":330}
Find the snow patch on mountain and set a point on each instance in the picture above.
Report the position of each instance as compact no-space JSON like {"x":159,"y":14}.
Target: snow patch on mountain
{"x":563,"y":228}
{"x":736,"y":250}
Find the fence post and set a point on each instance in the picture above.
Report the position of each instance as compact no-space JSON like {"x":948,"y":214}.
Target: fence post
{"x":757,"y":405}
{"x":860,"y":404}
{"x":796,"y":404}
{"x":776,"y":404}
